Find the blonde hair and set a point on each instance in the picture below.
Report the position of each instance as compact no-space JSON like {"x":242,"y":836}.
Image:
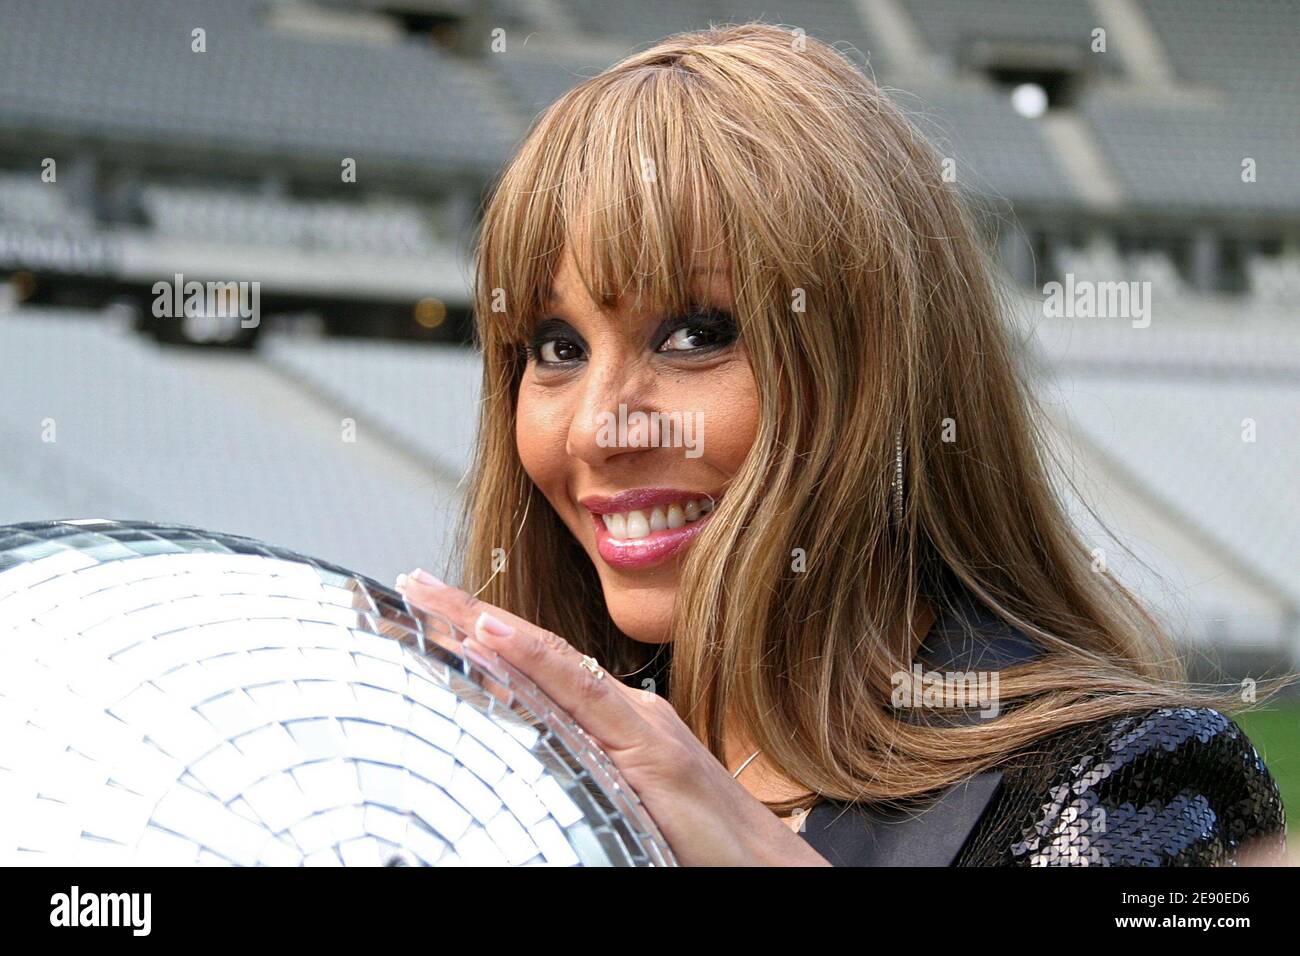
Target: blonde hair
{"x":866,"y":305}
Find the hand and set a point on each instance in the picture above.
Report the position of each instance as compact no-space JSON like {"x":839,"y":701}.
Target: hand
{"x":706,"y":816}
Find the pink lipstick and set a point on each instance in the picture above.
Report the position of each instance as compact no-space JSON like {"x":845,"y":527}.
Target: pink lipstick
{"x":634,"y":508}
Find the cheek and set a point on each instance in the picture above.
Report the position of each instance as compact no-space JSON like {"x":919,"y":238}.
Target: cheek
{"x":540,"y":436}
{"x":730,"y":414}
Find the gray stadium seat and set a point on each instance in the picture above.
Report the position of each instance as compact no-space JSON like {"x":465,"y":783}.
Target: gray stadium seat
{"x":1189,"y":155}
{"x":222,"y":442}
{"x":132,"y":76}
{"x":950,"y":26}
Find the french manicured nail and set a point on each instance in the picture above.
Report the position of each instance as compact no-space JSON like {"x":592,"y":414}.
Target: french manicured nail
{"x":424,"y":577}
{"x":400,"y":582}
{"x":492,"y":627}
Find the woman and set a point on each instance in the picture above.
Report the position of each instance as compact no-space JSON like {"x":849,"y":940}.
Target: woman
{"x":754,"y":439}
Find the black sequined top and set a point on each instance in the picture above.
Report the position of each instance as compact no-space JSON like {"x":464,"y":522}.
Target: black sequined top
{"x":1168,"y":787}
{"x":1163,"y":787}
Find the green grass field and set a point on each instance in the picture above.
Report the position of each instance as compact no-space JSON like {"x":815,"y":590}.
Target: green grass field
{"x":1275,"y":732}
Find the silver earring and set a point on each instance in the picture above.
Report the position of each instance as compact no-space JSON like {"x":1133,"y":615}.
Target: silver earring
{"x":898,"y":478}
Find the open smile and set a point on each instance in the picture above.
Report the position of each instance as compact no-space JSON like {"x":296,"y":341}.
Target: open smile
{"x":637,"y":529}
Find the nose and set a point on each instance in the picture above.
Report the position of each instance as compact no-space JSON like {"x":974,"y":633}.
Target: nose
{"x":604,"y":423}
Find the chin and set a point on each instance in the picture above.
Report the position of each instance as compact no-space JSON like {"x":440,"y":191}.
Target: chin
{"x":645,"y":615}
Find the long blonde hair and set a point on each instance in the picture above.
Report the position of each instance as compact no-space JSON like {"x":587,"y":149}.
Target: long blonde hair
{"x":867,"y":306}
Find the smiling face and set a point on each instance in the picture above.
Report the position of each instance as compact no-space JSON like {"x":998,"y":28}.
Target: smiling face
{"x":635,"y":489}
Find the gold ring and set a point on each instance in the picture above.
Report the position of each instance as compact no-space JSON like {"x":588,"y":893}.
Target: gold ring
{"x":589,"y":663}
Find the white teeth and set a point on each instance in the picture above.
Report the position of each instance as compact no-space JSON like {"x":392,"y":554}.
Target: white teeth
{"x":637,"y":524}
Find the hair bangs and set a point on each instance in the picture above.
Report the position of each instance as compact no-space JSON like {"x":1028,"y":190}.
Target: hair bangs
{"x":631,"y":196}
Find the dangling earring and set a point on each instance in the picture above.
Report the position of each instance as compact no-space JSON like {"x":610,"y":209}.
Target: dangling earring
{"x":897,"y":482}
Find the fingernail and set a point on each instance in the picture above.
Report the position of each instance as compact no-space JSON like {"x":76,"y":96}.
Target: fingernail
{"x":492,"y":626}
{"x":400,"y":582}
{"x":424,"y":577}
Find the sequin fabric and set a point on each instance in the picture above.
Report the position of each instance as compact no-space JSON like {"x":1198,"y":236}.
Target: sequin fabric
{"x":1169,"y":787}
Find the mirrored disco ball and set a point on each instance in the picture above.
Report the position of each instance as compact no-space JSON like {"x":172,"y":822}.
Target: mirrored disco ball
{"x":173,"y":696}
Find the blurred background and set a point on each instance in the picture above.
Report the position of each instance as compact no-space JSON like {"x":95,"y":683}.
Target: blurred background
{"x":320,"y":164}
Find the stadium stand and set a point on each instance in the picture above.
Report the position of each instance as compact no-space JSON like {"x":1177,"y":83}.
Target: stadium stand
{"x":1245,"y":48}
{"x":977,"y":127}
{"x":384,"y":383}
{"x":956,"y":29}
{"x":1190,"y":155}
{"x":132,"y":76}
{"x":235,"y":216}
{"x":1182,"y":439}
{"x":26,"y":201}
{"x":219,"y":441}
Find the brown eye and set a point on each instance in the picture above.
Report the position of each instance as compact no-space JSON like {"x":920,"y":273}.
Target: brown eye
{"x":554,"y":343}
{"x":559,"y":350}
{"x":702,"y":332}
{"x":688,"y":338}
